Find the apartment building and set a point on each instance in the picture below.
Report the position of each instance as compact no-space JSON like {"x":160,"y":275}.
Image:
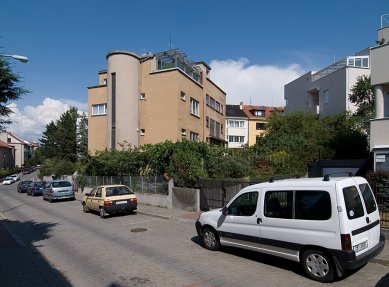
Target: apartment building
{"x":23,"y":150}
{"x":7,"y":158}
{"x":245,"y":123}
{"x":379,"y":126}
{"x":257,"y":119}
{"x":326,"y":92}
{"x":152,"y":98}
{"x":237,"y":126}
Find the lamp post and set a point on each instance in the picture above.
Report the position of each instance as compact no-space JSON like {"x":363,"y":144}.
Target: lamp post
{"x":22,"y":59}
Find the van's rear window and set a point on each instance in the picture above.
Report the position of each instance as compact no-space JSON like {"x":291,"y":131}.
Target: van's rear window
{"x":368,"y":198}
{"x":353,"y":202}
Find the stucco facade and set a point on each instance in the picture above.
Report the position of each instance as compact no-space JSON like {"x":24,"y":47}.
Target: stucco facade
{"x":153,"y":98}
{"x":326,"y":92}
{"x":379,"y":126}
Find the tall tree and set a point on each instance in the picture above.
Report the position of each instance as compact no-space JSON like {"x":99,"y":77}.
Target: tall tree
{"x":9,"y":90}
{"x":49,"y":141}
{"x":82,"y":136}
{"x":363,"y":97}
{"x":67,"y":135}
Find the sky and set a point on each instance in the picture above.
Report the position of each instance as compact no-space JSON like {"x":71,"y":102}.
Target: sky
{"x":253,"y":47}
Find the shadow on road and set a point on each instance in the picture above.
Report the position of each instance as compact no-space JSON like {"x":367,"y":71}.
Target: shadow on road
{"x":22,"y":264}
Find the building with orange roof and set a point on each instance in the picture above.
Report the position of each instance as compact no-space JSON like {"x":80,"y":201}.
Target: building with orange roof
{"x":7,"y":158}
{"x":257,"y":119}
{"x":23,"y":149}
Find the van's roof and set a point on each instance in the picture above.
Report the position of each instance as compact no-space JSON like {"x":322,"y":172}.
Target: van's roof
{"x":315,"y":181}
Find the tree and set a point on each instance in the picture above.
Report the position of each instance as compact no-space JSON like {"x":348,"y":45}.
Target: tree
{"x":82,"y":137}
{"x":49,"y":141}
{"x":362,"y":96}
{"x":67,"y":135}
{"x":9,"y":90}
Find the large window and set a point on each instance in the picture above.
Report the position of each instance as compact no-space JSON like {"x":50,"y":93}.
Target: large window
{"x":236,"y":139}
{"x":100,"y":109}
{"x":194,"y":107}
{"x":259,"y":113}
{"x":368,"y":198}
{"x":260,"y":126}
{"x":386,"y":105}
{"x":194,"y":136}
{"x":298,"y":204}
{"x":236,"y":124}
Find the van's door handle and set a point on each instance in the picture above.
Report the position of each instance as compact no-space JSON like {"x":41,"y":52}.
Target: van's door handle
{"x":259,"y":220}
{"x":367,"y":220}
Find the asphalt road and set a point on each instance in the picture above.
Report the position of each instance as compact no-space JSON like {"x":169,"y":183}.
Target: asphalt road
{"x":89,"y":251}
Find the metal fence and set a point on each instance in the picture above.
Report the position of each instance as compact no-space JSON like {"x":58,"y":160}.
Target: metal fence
{"x":381,"y":193}
{"x":216,"y":193}
{"x":141,"y":184}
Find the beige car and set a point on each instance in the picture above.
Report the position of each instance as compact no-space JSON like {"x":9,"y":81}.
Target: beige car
{"x":109,"y":199}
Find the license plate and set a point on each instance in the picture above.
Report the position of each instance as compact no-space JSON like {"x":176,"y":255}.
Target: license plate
{"x":121,"y":202}
{"x":359,"y":247}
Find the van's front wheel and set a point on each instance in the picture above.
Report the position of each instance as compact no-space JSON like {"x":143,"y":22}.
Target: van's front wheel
{"x":318,"y":266}
{"x":210,"y":239}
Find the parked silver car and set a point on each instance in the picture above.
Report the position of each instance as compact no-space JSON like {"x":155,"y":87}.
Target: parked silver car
{"x":58,"y":189}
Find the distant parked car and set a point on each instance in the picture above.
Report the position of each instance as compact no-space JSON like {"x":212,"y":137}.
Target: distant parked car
{"x":15,"y":176}
{"x":36,"y":188}
{"x":24,"y":186}
{"x":108,"y":199}
{"x":8,"y":180}
{"x":58,"y":189}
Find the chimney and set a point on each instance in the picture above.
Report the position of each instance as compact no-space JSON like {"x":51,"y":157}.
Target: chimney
{"x":241,"y":105}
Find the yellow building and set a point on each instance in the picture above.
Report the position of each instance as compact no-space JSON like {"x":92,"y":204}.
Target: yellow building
{"x":152,"y":98}
{"x":257,"y":118}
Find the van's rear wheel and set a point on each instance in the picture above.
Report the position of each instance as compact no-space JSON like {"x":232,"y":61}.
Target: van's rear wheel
{"x":210,"y":239}
{"x":318,"y":266}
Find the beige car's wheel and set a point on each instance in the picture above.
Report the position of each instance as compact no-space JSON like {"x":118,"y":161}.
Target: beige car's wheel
{"x":85,"y":208}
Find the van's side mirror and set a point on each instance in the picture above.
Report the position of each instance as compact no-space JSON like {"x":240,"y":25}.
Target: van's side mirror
{"x":224,"y":210}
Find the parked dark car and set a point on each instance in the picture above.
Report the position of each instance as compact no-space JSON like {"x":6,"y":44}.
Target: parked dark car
{"x":36,"y":188}
{"x":24,"y":185}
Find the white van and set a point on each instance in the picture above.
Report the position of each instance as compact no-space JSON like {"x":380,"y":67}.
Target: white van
{"x":328,"y":224}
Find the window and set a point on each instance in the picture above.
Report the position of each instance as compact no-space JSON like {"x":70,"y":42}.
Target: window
{"x":183,"y":132}
{"x":183,"y":96}
{"x":221,"y":109}
{"x":207,"y":122}
{"x":260,"y":126}
{"x":212,"y":103}
{"x":142,"y":132}
{"x":98,"y":192}
{"x":117,"y":190}
{"x":207,"y":100}
{"x":194,"y":107}
{"x":194,"y":136}
{"x":142,"y":96}
{"x":259,"y":113}
{"x":353,"y":202}
{"x":386,"y":105}
{"x":236,"y":124}
{"x":218,"y":107}
{"x":100,"y":109}
{"x":382,"y":161}
{"x":236,"y":139}
{"x":222,"y":129}
{"x":312,"y":205}
{"x":278,"y":204}
{"x":8,"y":140}
{"x":326,"y":96}
{"x":368,"y":198}
{"x":244,"y":205}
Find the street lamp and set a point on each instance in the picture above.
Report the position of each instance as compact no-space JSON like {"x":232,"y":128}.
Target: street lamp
{"x":22,"y":59}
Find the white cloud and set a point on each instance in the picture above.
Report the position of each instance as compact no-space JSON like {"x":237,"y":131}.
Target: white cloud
{"x":260,"y":85}
{"x":30,"y":122}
